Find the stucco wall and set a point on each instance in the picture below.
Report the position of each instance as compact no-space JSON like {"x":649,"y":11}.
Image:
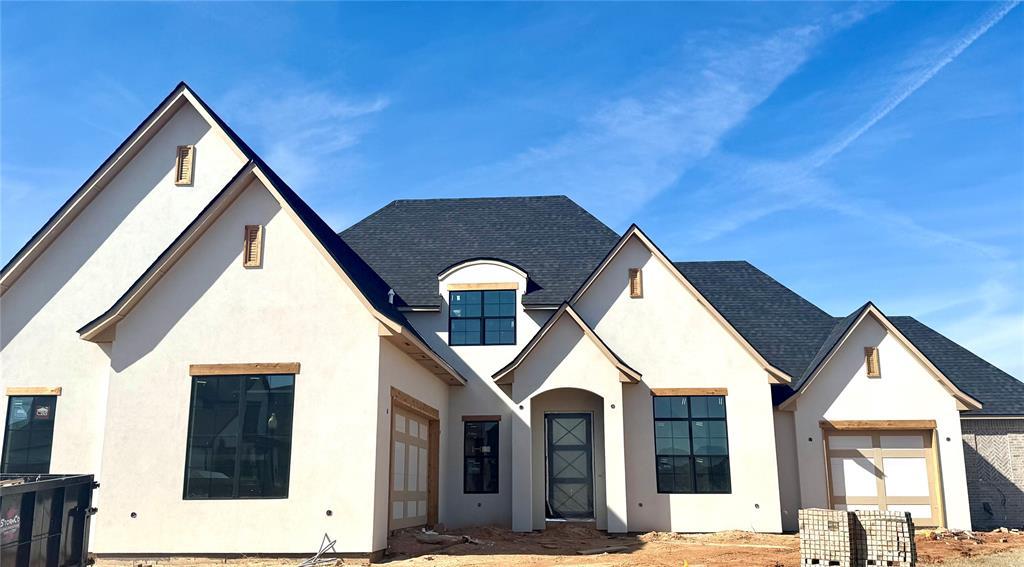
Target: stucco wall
{"x":209,"y":309}
{"x":789,"y":470}
{"x":480,"y":396}
{"x":563,"y":363}
{"x":676,"y":343}
{"x":994,"y":455}
{"x":906,"y":390}
{"x":398,"y":370}
{"x":88,"y":267}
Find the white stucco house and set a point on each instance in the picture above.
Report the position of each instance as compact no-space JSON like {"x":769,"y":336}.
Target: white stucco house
{"x":242,"y":379}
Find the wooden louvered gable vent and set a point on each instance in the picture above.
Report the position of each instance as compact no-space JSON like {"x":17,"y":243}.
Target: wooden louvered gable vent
{"x":871,"y":359}
{"x":252,"y":252}
{"x":636,"y":283}
{"x":184,"y":165}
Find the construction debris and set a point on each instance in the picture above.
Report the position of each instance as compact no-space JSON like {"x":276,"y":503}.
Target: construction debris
{"x":600,"y":550}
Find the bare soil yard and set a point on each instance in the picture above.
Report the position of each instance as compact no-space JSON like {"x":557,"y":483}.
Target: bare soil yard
{"x":560,"y":545}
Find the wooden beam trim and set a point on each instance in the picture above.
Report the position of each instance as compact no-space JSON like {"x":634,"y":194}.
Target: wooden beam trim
{"x":243,"y":368}
{"x":33,"y":391}
{"x":482,"y":286}
{"x":881,"y":424}
{"x":412,"y":404}
{"x":481,"y":418}
{"x":689,"y":391}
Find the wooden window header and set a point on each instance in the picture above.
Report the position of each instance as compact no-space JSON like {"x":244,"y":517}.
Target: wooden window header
{"x":243,"y":368}
{"x":482,"y":286}
{"x":184,"y":165}
{"x":33,"y":391}
{"x":689,"y":391}
{"x":881,"y":424}
{"x":636,"y":283}
{"x":872,"y":362}
{"x":252,"y":251}
{"x":481,"y":418}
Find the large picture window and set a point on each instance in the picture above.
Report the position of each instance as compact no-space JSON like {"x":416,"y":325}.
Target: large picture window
{"x":240,"y":437}
{"x":482,"y":317}
{"x":28,"y":442}
{"x":691,"y":444}
{"x":480,"y":470}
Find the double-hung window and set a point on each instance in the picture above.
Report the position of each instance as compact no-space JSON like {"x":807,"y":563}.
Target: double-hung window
{"x":480,"y":460}
{"x":29,"y":439}
{"x":240,"y":437}
{"x":691,"y":444}
{"x":482,"y":317}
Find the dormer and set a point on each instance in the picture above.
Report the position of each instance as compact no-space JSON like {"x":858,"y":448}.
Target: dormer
{"x":483,"y":298}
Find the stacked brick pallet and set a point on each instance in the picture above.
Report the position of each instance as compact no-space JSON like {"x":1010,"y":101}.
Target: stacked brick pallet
{"x":835,"y":538}
{"x":888,"y":539}
{"x":825,"y":538}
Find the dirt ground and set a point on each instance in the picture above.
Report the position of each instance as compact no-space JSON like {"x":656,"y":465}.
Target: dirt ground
{"x":560,"y":543}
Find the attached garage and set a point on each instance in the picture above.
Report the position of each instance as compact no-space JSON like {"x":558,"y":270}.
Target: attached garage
{"x":414,"y":462}
{"x":884,"y":466}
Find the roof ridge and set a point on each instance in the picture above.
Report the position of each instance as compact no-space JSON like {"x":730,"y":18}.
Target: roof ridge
{"x":472,"y":199}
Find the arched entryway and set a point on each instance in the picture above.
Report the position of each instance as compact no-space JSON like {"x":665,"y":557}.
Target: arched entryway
{"x":567,"y":426}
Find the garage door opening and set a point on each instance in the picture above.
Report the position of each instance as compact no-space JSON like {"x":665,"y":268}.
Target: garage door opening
{"x":883,"y":469}
{"x":415,"y":436}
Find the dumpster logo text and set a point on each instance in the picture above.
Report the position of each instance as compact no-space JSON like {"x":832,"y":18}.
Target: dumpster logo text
{"x":9,"y":527}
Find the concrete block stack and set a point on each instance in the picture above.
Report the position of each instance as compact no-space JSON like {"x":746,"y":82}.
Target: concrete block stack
{"x":836,"y":538}
{"x":825,"y":538}
{"x":887,"y":540}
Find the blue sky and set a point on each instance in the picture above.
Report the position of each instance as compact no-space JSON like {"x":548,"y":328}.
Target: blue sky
{"x":854,"y":152}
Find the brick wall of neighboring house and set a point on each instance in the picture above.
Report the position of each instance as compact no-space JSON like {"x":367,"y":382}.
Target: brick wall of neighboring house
{"x":994,"y":456}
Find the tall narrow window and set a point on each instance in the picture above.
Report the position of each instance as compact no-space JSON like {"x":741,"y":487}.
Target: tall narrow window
{"x":252,"y":252}
{"x":29,"y":439}
{"x":691,"y":444}
{"x":480,"y":462}
{"x":872,"y":362}
{"x":482,"y":317}
{"x":636,"y":283}
{"x":240,"y":437}
{"x":184,"y":165}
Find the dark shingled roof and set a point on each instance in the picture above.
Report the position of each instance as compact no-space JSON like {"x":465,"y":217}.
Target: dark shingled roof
{"x":780,"y":324}
{"x":554,"y":240}
{"x":999,"y":393}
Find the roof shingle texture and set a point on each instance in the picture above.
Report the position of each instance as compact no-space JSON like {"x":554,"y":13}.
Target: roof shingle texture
{"x":999,"y":393}
{"x":554,"y":240}
{"x":780,"y":324}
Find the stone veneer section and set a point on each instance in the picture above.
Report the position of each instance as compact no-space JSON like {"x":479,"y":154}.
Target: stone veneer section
{"x":994,"y":456}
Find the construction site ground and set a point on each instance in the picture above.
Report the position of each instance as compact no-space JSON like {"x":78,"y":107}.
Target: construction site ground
{"x":560,"y":545}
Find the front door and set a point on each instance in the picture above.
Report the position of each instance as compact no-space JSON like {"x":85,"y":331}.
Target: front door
{"x":570,"y":470}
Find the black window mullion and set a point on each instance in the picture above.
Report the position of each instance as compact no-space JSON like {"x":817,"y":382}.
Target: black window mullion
{"x":241,"y":433}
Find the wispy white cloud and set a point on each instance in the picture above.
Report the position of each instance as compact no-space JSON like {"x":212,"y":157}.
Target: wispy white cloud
{"x":913,"y":83}
{"x":628,"y":149}
{"x":305,"y":133}
{"x":764,"y":187}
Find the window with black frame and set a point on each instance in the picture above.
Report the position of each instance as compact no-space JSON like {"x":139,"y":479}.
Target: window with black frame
{"x":691,"y":444}
{"x":482,"y":317}
{"x":240,"y":437}
{"x":28,"y":442}
{"x":480,"y":469}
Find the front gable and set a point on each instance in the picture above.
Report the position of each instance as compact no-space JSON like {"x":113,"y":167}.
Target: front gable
{"x":670,"y":334}
{"x":838,"y":378}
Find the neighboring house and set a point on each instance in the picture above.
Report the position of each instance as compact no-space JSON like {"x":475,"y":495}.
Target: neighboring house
{"x":242,"y":379}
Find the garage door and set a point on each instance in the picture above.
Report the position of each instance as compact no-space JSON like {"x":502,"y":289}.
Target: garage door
{"x":884,"y":470}
{"x":409,"y":457}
